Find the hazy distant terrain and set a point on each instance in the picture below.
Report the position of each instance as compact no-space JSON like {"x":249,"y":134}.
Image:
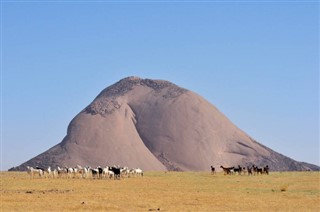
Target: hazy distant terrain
{"x":157,"y":125}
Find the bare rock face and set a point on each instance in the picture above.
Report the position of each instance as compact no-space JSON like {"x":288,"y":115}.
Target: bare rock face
{"x":156,"y":125}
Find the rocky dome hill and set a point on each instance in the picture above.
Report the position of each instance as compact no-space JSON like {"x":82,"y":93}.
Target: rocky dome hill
{"x":157,"y":125}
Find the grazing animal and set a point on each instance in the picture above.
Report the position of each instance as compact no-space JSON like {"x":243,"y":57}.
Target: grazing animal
{"x":249,"y":170}
{"x":62,"y":172}
{"x":39,"y":168}
{"x":108,"y":173}
{"x":139,"y":172}
{"x":75,"y":172}
{"x":55,"y":173}
{"x":255,"y":169}
{"x":244,"y":170}
{"x":227,"y":170}
{"x":100,"y":172}
{"x":125,"y":171}
{"x":213,"y":170}
{"x":44,"y":172}
{"x":117,"y":172}
{"x":94,"y":172}
{"x":70,"y":172}
{"x":132,"y":172}
{"x":259,"y":170}
{"x":266,"y":170}
{"x":82,"y":171}
{"x":34,"y":171}
{"x":239,"y":170}
{"x":49,"y":171}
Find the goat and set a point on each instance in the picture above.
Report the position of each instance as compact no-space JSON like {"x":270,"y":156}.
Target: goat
{"x":227,"y":170}
{"x":132,"y":172}
{"x":107,"y":173}
{"x":75,"y":172}
{"x":239,"y":169}
{"x":125,"y":172}
{"x":259,"y":170}
{"x":256,"y":170}
{"x":94,"y":172}
{"x":70,"y":172}
{"x":249,"y":170}
{"x":213,"y":170}
{"x":54,"y":173}
{"x":100,"y":172}
{"x":44,"y":172}
{"x":62,"y":172}
{"x":138,"y":171}
{"x":83,"y":172}
{"x":244,"y":170}
{"x":32,"y":171}
{"x":266,"y":170}
{"x":116,"y":172}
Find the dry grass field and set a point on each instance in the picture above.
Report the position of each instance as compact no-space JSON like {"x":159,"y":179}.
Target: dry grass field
{"x":171,"y":191}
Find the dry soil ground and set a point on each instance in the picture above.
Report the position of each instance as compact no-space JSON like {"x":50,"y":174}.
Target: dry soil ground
{"x":164,"y":191}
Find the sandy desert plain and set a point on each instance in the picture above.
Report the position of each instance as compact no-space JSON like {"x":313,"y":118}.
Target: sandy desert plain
{"x":164,"y":191}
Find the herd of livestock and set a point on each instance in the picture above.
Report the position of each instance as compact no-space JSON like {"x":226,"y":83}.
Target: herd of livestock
{"x":116,"y":172}
{"x":250,"y":170}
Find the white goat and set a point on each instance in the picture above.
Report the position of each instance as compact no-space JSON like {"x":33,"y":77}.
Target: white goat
{"x":32,"y":171}
{"x":139,"y":172}
{"x":108,"y":173}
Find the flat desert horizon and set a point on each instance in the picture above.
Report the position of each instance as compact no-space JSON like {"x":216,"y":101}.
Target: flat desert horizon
{"x":163,"y":191}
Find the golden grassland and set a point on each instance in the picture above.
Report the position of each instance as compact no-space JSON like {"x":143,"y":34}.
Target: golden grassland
{"x":164,"y":191}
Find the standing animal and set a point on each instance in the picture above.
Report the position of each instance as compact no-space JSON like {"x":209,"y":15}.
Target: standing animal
{"x":117,"y":172}
{"x":139,"y":172}
{"x":124,"y":172}
{"x":259,"y":170}
{"x":227,"y":170}
{"x":239,"y":170}
{"x":94,"y":172}
{"x":100,"y":172}
{"x":70,"y":172}
{"x":48,"y":172}
{"x":266,"y":170}
{"x":108,"y":173}
{"x":249,"y":170}
{"x":82,"y":171}
{"x":62,"y":172}
{"x":213,"y":170}
{"x":32,"y":171}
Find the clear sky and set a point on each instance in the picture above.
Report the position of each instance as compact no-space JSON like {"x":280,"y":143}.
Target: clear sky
{"x":258,"y":62}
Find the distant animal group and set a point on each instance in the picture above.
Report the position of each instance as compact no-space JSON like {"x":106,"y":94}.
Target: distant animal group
{"x":115,"y":172}
{"x":249,"y":170}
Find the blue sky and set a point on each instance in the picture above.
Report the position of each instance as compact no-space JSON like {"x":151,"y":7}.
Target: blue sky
{"x":257,"y":62}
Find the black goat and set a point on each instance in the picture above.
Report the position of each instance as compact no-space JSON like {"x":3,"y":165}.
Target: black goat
{"x":227,"y":170}
{"x":94,"y":173}
{"x":266,"y":170}
{"x":116,"y":172}
{"x":213,"y":170}
{"x":239,"y":170}
{"x":249,"y":170}
{"x":100,"y":170}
